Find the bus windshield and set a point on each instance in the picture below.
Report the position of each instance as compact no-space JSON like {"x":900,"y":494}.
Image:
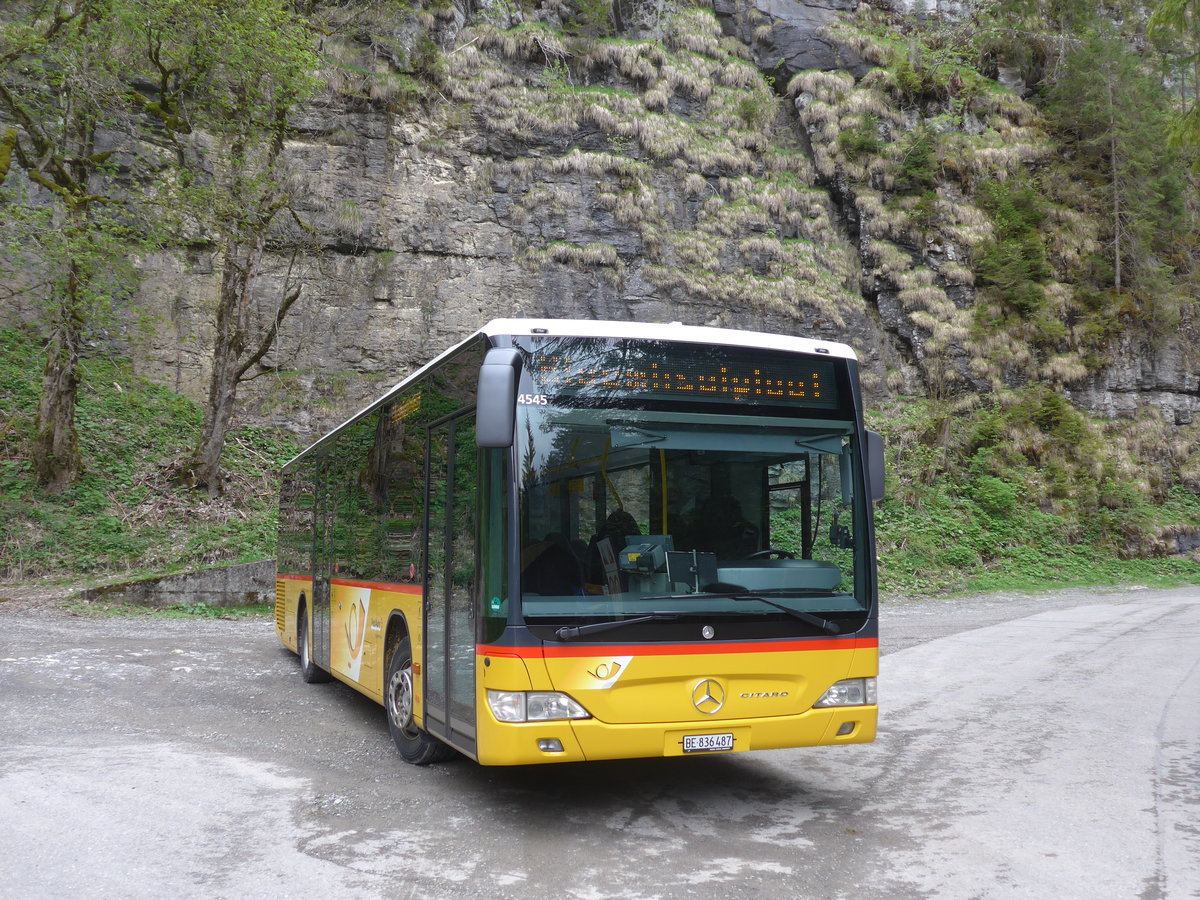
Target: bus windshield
{"x":725,"y":508}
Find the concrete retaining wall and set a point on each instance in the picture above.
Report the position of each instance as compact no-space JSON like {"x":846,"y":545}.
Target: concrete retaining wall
{"x":242,"y":585}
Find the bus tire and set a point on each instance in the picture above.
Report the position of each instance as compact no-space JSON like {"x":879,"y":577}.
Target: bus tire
{"x":309,"y":670}
{"x":399,"y":696}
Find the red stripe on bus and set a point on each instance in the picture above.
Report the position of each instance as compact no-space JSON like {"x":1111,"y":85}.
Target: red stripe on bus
{"x":413,"y":590}
{"x":705,"y":649}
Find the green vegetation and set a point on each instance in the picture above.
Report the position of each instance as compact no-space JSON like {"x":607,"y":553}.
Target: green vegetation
{"x":861,"y":139}
{"x":104,"y":609}
{"x":1025,"y":493}
{"x":1013,"y":263}
{"x":132,"y":125}
{"x":1069,"y":198}
{"x":1021,"y":234}
{"x":125,"y":513}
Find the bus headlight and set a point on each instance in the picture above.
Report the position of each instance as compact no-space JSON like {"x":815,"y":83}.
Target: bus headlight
{"x":534,"y":706}
{"x":851,"y":692}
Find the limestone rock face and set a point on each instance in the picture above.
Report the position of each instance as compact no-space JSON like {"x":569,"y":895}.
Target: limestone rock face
{"x":793,"y":35}
{"x":1139,"y":374}
{"x":660,"y":178}
{"x":433,"y":222}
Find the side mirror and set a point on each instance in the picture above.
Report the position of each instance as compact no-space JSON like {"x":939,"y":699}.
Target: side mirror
{"x":496,"y":398}
{"x":875,"y":465}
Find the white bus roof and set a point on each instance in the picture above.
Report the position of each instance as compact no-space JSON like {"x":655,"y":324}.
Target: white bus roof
{"x":690,"y":334}
{"x":647,"y":331}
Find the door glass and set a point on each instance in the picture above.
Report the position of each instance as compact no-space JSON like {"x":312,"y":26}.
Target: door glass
{"x":435,"y":619}
{"x":322,"y":566}
{"x":462,"y":569}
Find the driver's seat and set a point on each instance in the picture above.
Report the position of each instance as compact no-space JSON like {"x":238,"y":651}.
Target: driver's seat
{"x":723,"y":530}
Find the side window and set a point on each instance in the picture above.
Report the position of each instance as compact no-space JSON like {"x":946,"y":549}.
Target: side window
{"x":790,"y":508}
{"x":398,"y":470}
{"x":294,"y":550}
{"x":356,"y":519}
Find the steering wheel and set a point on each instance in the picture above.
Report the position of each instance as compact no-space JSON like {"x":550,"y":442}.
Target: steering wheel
{"x":771,"y":551}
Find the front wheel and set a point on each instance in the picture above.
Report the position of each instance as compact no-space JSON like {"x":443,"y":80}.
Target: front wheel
{"x":399,"y":698}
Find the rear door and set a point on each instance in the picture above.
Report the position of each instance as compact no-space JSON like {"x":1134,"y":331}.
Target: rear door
{"x":323,"y":561}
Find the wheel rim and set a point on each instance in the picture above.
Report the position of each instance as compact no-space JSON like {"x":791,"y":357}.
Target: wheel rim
{"x":304,"y":644}
{"x":400,"y":699}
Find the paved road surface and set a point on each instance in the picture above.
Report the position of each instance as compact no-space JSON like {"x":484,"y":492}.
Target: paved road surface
{"x":1029,"y":747}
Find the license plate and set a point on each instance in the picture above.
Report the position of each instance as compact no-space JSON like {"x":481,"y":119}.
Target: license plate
{"x":707,"y":743}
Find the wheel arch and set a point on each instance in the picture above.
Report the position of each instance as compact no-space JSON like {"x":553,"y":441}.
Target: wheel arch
{"x":397,"y":630}
{"x":310,"y":670}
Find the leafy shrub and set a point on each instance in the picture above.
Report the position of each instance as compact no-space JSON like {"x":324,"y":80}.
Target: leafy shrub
{"x":918,"y":162}
{"x":1015,"y":270}
{"x":862,"y":140}
{"x":1016,"y":494}
{"x":994,"y":496}
{"x":960,"y":556}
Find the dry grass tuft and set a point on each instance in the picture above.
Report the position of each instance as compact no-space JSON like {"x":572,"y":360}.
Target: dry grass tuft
{"x":696,"y":31}
{"x":1064,"y":369}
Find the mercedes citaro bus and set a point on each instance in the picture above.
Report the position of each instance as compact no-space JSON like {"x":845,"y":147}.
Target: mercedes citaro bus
{"x":576,"y":540}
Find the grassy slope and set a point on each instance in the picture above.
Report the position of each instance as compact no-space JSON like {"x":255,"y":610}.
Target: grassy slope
{"x":1025,"y":494}
{"x":125,"y":514}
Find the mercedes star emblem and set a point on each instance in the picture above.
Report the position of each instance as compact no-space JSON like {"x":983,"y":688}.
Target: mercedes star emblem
{"x":708,"y":696}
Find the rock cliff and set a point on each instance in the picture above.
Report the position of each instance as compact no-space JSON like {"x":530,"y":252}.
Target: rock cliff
{"x":691,"y":165}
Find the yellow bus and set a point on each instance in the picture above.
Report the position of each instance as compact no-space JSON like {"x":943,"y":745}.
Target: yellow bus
{"x":578,"y":540}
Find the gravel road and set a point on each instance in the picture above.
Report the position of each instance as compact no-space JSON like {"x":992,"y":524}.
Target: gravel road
{"x":1030,"y":746}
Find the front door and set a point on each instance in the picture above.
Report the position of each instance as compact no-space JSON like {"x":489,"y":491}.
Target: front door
{"x":449,"y":659}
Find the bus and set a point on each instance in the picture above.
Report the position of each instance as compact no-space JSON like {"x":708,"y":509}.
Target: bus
{"x":570,"y":540}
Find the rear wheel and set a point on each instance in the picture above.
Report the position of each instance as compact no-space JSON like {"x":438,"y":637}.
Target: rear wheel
{"x":399,"y":698}
{"x":309,"y":670}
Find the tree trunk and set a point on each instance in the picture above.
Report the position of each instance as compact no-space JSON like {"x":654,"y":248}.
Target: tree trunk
{"x":1116,"y":215}
{"x":233,"y":320}
{"x":55,"y":448}
{"x":243,"y":252}
{"x":1117,"y":184}
{"x":230,"y":361}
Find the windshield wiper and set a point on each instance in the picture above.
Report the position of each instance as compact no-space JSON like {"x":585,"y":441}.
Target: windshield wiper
{"x":742,"y":592}
{"x":824,"y":624}
{"x":570,"y":632}
{"x":761,"y":596}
